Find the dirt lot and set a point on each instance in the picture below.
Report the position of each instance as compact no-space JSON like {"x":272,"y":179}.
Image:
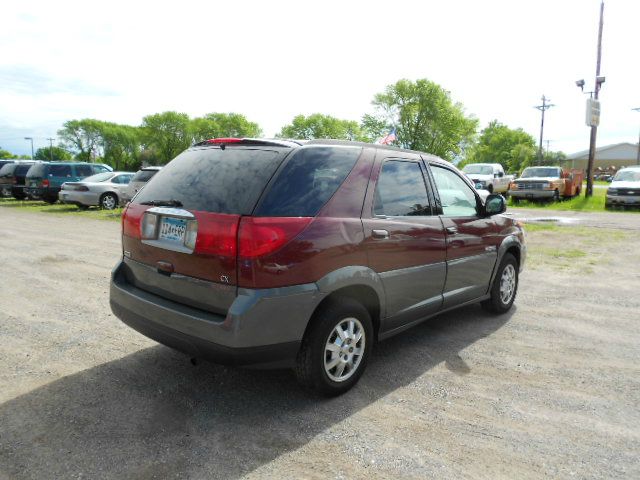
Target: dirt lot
{"x":550,"y":390}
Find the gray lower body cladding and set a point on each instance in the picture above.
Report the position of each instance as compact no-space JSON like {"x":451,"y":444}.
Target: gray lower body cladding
{"x":262,"y":326}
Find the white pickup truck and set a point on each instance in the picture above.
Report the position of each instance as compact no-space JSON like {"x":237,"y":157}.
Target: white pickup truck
{"x":489,"y":176}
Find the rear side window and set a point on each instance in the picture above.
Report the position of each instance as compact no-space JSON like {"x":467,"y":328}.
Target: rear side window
{"x":22,"y":170}
{"x":144,"y":175}
{"x":99,"y":168}
{"x":401,"y":190}
{"x":84,"y":170}
{"x":214,"y":180}
{"x":308,"y":180}
{"x":60,"y":170}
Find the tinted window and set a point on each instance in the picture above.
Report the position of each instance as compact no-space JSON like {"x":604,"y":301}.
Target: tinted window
{"x":144,"y":175}
{"x":84,"y":171}
{"x":214,"y":180}
{"x":458,"y":200}
{"x":60,"y":170}
{"x":401,"y":190}
{"x":99,"y":168}
{"x":21,"y":170}
{"x":122,"y":179}
{"x":308,"y":179}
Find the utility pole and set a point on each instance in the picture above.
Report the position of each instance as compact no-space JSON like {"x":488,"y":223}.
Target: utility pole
{"x":543,"y":108}
{"x":548,"y":142}
{"x":51,"y":148}
{"x":594,"y":128}
{"x":637,"y":109}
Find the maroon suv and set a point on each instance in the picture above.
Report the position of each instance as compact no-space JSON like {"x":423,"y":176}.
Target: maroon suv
{"x":294,"y":254}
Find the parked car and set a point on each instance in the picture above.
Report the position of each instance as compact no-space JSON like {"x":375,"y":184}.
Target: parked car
{"x":281,"y":254}
{"x":550,"y":183}
{"x":103,"y":189}
{"x":489,"y":176}
{"x":138,"y":181}
{"x":45,"y":178}
{"x":12,"y":177}
{"x":624,"y":190}
{"x":5,"y":189}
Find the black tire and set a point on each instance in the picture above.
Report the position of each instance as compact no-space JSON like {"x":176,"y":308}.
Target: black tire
{"x":310,"y":362}
{"x":495,"y":303}
{"x":108,"y":201}
{"x":19,"y":196}
{"x":490,"y":188}
{"x":83,"y":207}
{"x":50,"y":200}
{"x":515,"y":200}
{"x":556,"y":196}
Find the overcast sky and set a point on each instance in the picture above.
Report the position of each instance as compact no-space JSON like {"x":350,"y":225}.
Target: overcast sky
{"x":271,"y":60}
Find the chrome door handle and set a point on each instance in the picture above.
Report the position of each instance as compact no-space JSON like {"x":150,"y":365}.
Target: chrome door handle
{"x":380,"y":234}
{"x":451,"y":230}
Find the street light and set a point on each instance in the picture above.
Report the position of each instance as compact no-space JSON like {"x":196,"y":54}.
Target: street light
{"x":637,"y":109}
{"x":30,"y":138}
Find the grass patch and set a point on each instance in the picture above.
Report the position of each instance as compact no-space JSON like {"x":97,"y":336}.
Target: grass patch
{"x":61,"y":209}
{"x":594,"y":203}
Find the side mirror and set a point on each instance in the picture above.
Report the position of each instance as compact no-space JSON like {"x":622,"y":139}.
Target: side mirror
{"x":501,"y":174}
{"x":495,"y":204}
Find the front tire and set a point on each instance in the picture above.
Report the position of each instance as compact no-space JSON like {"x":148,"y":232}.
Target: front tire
{"x":108,"y":201}
{"x":336,"y":348}
{"x":504,"y":287}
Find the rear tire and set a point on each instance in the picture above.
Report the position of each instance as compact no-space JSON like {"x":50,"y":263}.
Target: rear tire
{"x":83,"y":207}
{"x":328,"y":361}
{"x":50,"y":200}
{"x":19,"y":196}
{"x":504,"y":287}
{"x":108,"y":201}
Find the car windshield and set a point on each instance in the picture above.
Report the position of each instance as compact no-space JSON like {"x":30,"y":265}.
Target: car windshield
{"x":540,"y":172}
{"x":144,"y":175}
{"x":478,"y":169}
{"x":98,"y":177}
{"x":621,"y":176}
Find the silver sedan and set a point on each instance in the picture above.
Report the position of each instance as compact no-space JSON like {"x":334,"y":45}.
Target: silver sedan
{"x":104,"y":190}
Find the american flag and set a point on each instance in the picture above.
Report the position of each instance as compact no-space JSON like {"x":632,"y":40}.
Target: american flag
{"x":389,"y":139}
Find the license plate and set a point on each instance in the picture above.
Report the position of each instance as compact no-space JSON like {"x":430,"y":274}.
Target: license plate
{"x":172,"y":230}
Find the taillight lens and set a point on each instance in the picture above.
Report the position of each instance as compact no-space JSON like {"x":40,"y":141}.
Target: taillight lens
{"x":215,"y":234}
{"x":260,"y":236}
{"x":45,"y":183}
{"x":131,"y":220}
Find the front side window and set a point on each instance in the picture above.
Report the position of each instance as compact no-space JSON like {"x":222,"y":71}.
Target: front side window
{"x":401,"y":190}
{"x":458,"y":200}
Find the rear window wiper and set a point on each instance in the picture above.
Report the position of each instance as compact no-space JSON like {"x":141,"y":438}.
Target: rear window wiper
{"x":163,"y":203}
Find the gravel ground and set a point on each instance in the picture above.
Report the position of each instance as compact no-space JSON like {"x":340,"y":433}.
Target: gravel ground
{"x":549,"y":390}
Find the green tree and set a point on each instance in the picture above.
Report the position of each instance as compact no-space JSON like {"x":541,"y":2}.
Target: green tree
{"x":514,"y":149}
{"x":82,"y":137}
{"x":167,"y":133}
{"x":121,"y":145}
{"x":425,"y":117}
{"x":321,"y":126}
{"x":6,"y":154}
{"x":234,"y":125}
{"x":55,"y":153}
{"x":553,"y":158}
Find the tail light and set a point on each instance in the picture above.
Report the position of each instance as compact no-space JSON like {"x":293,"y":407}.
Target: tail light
{"x":131,"y":219}
{"x":259,"y":236}
{"x":14,"y":181}
{"x":217,"y":141}
{"x":45,"y":183}
{"x":215,"y":234}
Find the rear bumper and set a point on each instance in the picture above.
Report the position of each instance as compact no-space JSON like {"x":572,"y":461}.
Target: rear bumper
{"x":533,"y":194}
{"x":262,"y":327}
{"x":36,"y":192}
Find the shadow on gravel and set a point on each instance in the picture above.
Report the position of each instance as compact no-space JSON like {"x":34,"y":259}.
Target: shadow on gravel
{"x":153,"y":415}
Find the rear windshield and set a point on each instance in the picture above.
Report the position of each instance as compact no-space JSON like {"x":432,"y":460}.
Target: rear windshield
{"x":144,"y":175}
{"x":99,"y":177}
{"x":308,"y":180}
{"x":214,"y":180}
{"x":39,"y":170}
